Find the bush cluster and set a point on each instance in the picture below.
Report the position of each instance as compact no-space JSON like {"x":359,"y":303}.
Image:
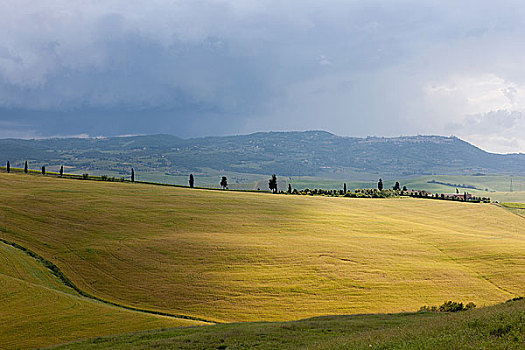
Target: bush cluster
{"x":384,"y":193}
{"x":448,"y":306}
{"x":358,"y":193}
{"x":372,"y":193}
{"x":460,"y":198}
{"x":111,"y":179}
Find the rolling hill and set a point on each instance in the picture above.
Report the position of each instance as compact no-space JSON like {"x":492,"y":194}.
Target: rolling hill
{"x":233,"y":256}
{"x":310,"y":153}
{"x":238,"y":256}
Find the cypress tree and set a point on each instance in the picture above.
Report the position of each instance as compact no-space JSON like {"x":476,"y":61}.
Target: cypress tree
{"x":289,"y":188}
{"x":43,"y":169}
{"x":25,"y":167}
{"x":61,"y":170}
{"x":344,"y":188}
{"x":192,"y":181}
{"x":132,"y":175}
{"x":272,"y":183}
{"x":8,"y":167}
{"x":380,"y":185}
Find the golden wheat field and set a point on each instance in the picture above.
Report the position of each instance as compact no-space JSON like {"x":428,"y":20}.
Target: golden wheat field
{"x":238,"y":256}
{"x":38,"y":310}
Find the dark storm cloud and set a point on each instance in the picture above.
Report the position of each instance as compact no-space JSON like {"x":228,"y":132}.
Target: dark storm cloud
{"x":215,"y":67}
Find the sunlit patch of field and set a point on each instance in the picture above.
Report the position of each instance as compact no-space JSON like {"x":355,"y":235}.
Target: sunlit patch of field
{"x":37,"y":309}
{"x":233,"y":256}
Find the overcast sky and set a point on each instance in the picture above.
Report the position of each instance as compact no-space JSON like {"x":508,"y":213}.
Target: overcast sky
{"x":204,"y":67}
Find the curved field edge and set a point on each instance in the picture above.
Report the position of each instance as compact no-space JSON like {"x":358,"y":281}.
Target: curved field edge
{"x":246,"y":256}
{"x":64,"y":279}
{"x":497,"y":327}
{"x":38,"y":309}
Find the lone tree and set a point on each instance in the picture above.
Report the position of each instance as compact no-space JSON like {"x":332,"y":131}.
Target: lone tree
{"x":404,"y":189}
{"x":25,"y":167}
{"x":380,"y":185}
{"x":397,"y":187}
{"x":61,"y":170}
{"x":43,"y":169}
{"x":224,"y":183}
{"x":289,"y":188}
{"x":8,"y":167}
{"x":272,"y":183}
{"x":344,"y":187}
{"x":132,"y":175}
{"x":192,"y":181}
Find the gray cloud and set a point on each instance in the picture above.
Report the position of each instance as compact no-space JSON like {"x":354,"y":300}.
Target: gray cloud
{"x":220,"y":67}
{"x":494,"y":120}
{"x":501,"y":130}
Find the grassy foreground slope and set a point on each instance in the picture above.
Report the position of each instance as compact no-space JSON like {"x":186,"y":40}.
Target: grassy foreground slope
{"x":496,"y":327}
{"x":39,"y":310}
{"x":231,"y":256}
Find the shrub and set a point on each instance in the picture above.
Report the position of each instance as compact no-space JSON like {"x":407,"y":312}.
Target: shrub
{"x":448,"y":306}
{"x":451,"y":306}
{"x":470,"y":305}
{"x":85,"y":176}
{"x":426,"y":308}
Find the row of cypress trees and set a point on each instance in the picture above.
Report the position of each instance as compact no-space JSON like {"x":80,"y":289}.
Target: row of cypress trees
{"x":272,"y":183}
{"x":61,"y":171}
{"x":26,"y":169}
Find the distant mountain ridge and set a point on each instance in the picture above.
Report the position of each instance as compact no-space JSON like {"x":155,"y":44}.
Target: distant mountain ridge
{"x":307,"y":153}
